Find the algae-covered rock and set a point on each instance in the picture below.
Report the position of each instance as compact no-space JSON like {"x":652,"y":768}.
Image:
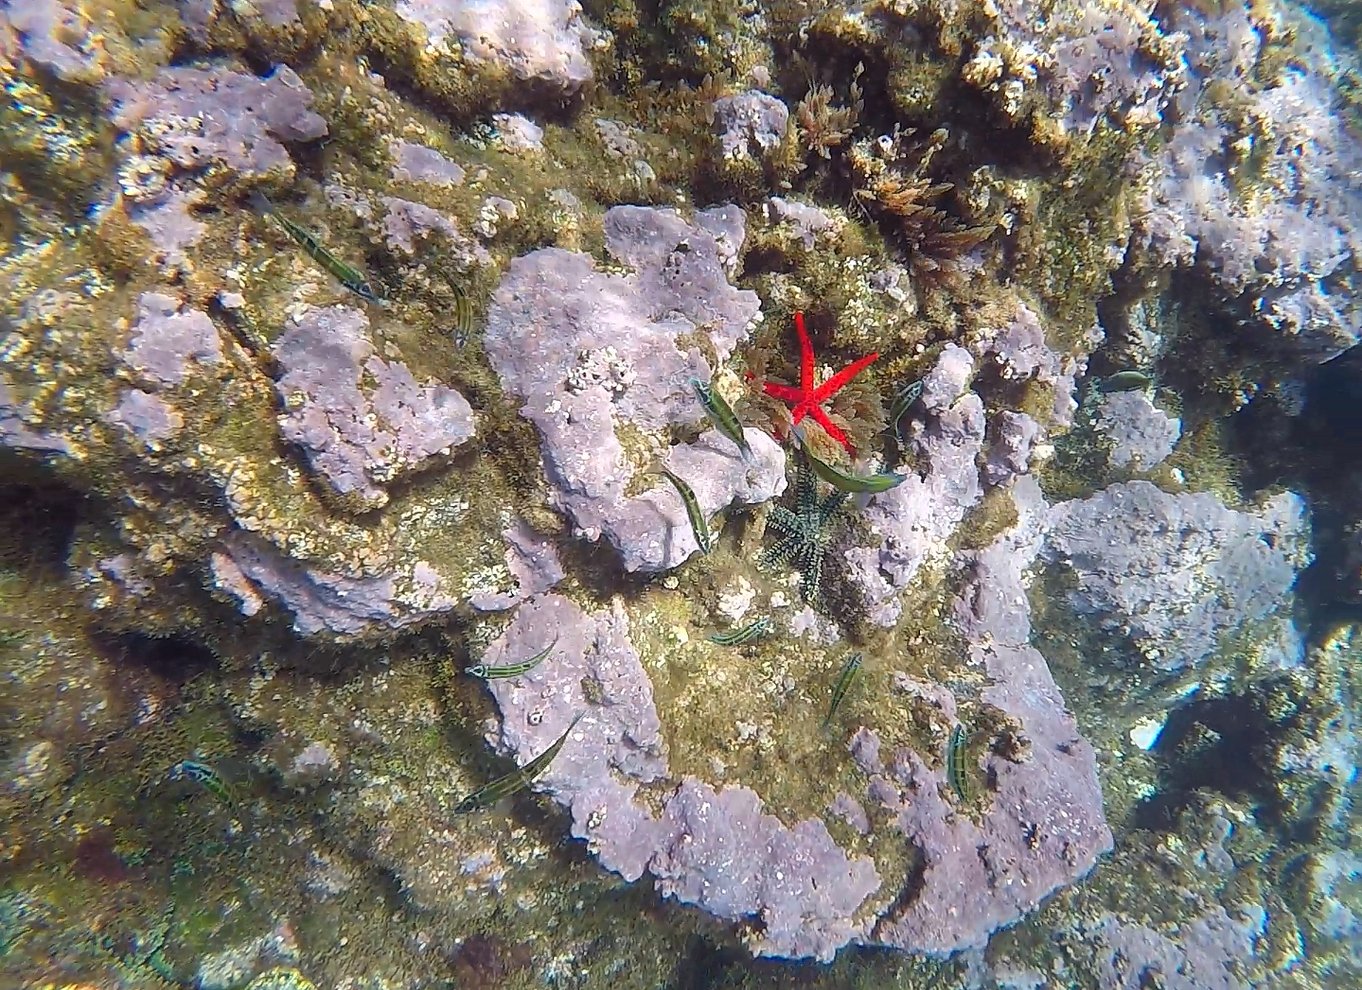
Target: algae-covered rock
{"x":603,"y":361}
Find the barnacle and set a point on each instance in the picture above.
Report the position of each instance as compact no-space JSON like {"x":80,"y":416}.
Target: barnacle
{"x":907,"y":200}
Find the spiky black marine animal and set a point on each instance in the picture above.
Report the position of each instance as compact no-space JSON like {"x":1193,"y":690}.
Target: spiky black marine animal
{"x":806,"y":531}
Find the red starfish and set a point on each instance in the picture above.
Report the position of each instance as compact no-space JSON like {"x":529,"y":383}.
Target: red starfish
{"x":806,"y":398}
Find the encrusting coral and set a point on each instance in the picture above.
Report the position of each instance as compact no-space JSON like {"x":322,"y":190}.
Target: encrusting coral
{"x":365,"y":532}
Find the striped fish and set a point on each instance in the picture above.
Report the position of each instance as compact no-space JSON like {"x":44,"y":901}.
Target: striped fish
{"x":749,"y":632}
{"x":839,"y":689}
{"x":698,"y":523}
{"x":956,"y":773}
{"x":723,"y":417}
{"x":517,"y":780}
{"x":488,"y":672}
{"x":350,"y":277}
{"x":842,"y":481}
{"x":203,"y":775}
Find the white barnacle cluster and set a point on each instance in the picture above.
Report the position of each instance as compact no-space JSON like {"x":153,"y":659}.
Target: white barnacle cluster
{"x":143,"y":176}
{"x":603,"y":367}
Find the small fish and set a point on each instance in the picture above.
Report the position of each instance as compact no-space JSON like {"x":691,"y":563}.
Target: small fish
{"x":463,"y":316}
{"x":903,"y":401}
{"x":350,"y":277}
{"x":839,"y":688}
{"x":723,"y":417}
{"x":203,"y":775}
{"x":842,"y":481}
{"x":698,"y":522}
{"x":749,"y":632}
{"x":517,"y":780}
{"x":955,"y":763}
{"x":1125,"y":381}
{"x":513,"y":669}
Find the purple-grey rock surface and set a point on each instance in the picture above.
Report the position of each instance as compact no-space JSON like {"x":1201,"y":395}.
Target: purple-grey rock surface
{"x":1176,"y":572}
{"x":538,"y":41}
{"x":598,"y":356}
{"x":170,"y":341}
{"x":913,"y":521}
{"x":1291,"y":247}
{"x":715,"y":850}
{"x":145,"y":416}
{"x":417,"y":163}
{"x":1206,"y":953}
{"x":55,"y":35}
{"x":406,"y":223}
{"x":15,"y":431}
{"x":1020,"y":351}
{"x":204,"y":117}
{"x":1011,"y":438}
{"x":1141,"y":434}
{"x":1043,"y":825}
{"x":533,"y":562}
{"x":750,"y":124}
{"x":363,"y":422}
{"x":251,"y":571}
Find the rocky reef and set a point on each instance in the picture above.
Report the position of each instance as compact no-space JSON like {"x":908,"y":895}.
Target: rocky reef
{"x":873,"y":465}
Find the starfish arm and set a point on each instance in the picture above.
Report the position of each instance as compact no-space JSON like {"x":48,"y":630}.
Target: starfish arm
{"x":782,"y":520}
{"x":785,"y":393}
{"x":805,"y":354}
{"x":780,"y":552}
{"x":834,"y":384}
{"x":831,"y":428}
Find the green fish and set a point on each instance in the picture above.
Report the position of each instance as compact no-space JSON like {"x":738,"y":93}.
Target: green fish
{"x":350,"y":277}
{"x":491,"y":673}
{"x":1125,"y":381}
{"x":517,"y":780}
{"x":842,"y":481}
{"x":203,"y":775}
{"x":723,"y":417}
{"x":698,"y":523}
{"x":903,"y":401}
{"x":839,"y":689}
{"x":749,"y":632}
{"x":955,"y":763}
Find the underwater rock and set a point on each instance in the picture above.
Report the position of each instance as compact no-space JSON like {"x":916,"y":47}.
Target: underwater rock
{"x":533,"y":563}
{"x":723,"y":854}
{"x":715,"y":850}
{"x":362,"y":422}
{"x":169,"y":341}
{"x":1020,"y":351}
{"x":406,"y":222}
{"x":57,"y":36}
{"x":169,"y":222}
{"x":145,"y":416}
{"x":15,"y":431}
{"x":599,"y":358}
{"x":1141,"y":433}
{"x":1202,"y":954}
{"x":808,"y":222}
{"x":1010,"y":443}
{"x":251,"y":570}
{"x":536,"y":41}
{"x":1287,"y":241}
{"x":1177,"y":573}
{"x":1043,"y":825}
{"x":914,"y":520}
{"x":204,"y":117}
{"x":417,"y":163}
{"x":750,"y":124}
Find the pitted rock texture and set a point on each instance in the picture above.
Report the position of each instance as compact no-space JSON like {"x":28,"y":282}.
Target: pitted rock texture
{"x":599,"y":358}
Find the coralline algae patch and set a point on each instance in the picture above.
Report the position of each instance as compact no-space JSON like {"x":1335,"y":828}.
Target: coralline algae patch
{"x":409,"y":414}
